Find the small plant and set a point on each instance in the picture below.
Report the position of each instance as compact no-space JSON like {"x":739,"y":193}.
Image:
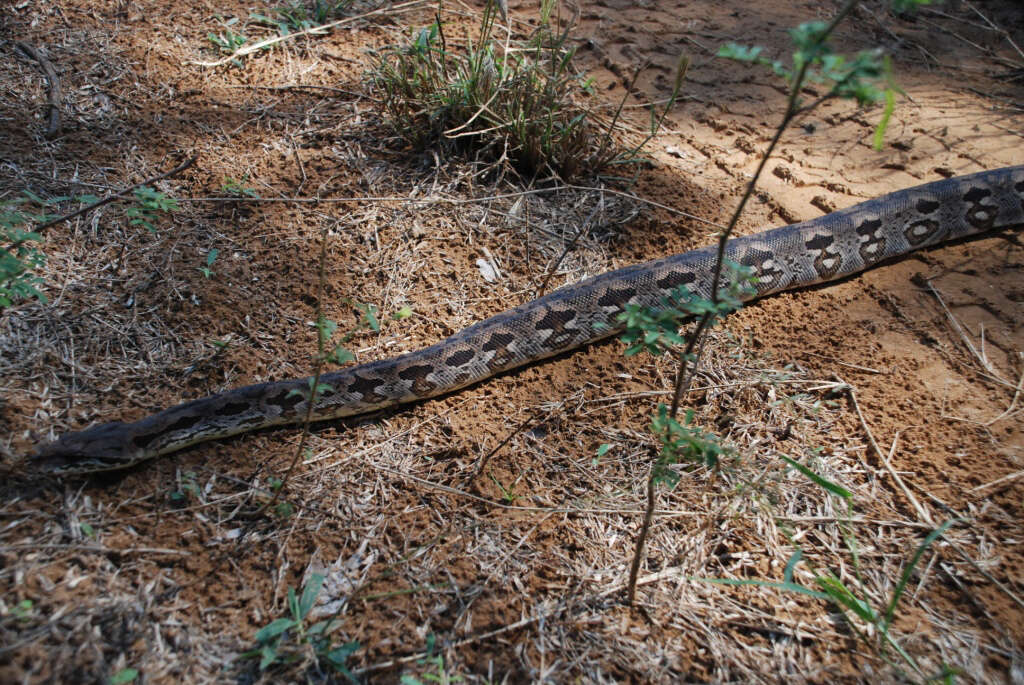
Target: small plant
{"x":297,"y":17}
{"x":292,"y":639}
{"x":506,"y":493}
{"x":187,"y":488}
{"x":149,"y":204}
{"x":19,"y":256}
{"x":655,"y":330}
{"x":22,"y":611}
{"x":238,"y":188}
{"x":437,"y":675}
{"x":812,"y":59}
{"x":227,"y":40}
{"x":517,"y":99}
{"x":325,"y":329}
{"x":211,"y":257}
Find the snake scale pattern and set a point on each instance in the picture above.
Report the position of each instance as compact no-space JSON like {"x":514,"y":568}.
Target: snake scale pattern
{"x":816,"y":251}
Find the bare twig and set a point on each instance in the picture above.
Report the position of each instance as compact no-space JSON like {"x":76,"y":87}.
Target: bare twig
{"x":53,"y":87}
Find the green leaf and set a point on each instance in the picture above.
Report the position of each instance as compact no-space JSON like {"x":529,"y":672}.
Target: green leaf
{"x":324,"y":627}
{"x":794,"y":559}
{"x":268,"y":655}
{"x":369,"y":315}
{"x":35,"y":198}
{"x":309,"y":593}
{"x":905,"y":577}
{"x":403,"y":313}
{"x":827,"y":484}
{"x":740,"y":53}
{"x":890,"y":105}
{"x":211,"y":256}
{"x":327,"y":328}
{"x":339,"y":655}
{"x":125,"y":675}
{"x":841,"y":595}
{"x":340,"y":356}
{"x":274,"y":628}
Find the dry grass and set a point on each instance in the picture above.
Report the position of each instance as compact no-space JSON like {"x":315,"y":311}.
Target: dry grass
{"x":517,"y":570}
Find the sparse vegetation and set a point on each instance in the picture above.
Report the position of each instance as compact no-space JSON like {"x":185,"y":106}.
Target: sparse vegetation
{"x":812,"y":59}
{"x":207,"y":269}
{"x":871,"y":624}
{"x":238,"y":187}
{"x":435,"y":670}
{"x":516,"y":100}
{"x":442,"y":571}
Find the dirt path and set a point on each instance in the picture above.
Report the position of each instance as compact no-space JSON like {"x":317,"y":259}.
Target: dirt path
{"x":514,"y":574}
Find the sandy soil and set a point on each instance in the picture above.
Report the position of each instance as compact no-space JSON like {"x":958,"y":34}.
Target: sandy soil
{"x":513,"y":571}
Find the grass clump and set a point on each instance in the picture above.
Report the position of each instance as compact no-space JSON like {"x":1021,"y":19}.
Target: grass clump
{"x":517,"y":100}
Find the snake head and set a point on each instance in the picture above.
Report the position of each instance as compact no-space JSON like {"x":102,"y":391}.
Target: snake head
{"x":106,"y":447}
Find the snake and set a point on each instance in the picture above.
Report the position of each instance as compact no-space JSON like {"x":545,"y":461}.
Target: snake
{"x":820,"y":250}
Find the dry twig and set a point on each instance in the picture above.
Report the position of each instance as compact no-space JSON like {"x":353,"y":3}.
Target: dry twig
{"x":53,"y":95}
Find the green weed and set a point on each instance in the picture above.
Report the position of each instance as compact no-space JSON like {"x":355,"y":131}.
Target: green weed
{"x":211,"y":257}
{"x":19,"y":256}
{"x":149,"y":204}
{"x":438,"y":674}
{"x":298,"y":17}
{"x":656,"y":329}
{"x":124,"y":676}
{"x":22,"y":611}
{"x":227,"y":40}
{"x":238,"y":188}
{"x":507,"y":494}
{"x":292,"y":639}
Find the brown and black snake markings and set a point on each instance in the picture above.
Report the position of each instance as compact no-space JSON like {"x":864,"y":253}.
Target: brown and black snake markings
{"x":823,"y":249}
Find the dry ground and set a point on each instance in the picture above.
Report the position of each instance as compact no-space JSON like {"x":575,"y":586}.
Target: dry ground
{"x":516,"y":572}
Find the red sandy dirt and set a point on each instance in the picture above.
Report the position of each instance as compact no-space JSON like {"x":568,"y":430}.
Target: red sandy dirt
{"x":514,"y":572}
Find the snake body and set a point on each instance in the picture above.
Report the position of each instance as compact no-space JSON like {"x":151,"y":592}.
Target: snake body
{"x":816,"y":251}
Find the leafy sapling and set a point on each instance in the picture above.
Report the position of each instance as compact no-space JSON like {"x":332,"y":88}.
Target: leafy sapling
{"x":19,"y":256}
{"x":238,"y":187}
{"x":149,"y":204}
{"x":211,"y":257}
{"x":655,"y":330}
